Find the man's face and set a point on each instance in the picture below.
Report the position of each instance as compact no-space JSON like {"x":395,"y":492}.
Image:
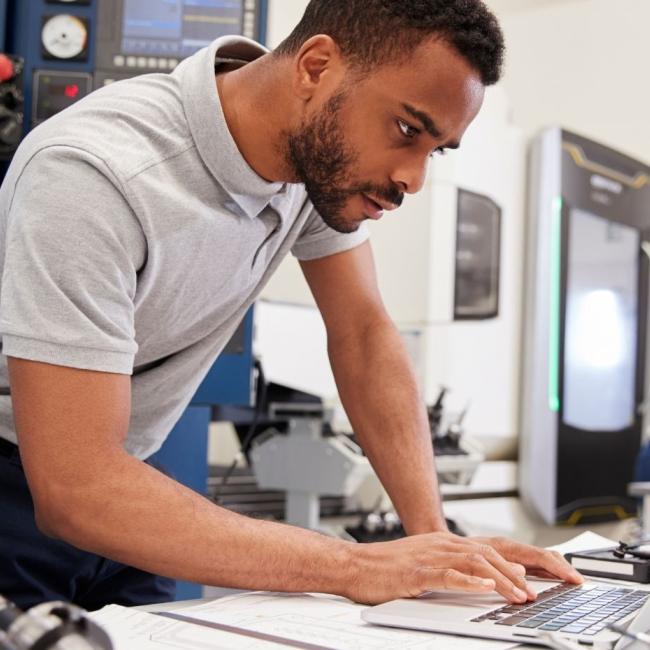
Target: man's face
{"x":360,"y":148}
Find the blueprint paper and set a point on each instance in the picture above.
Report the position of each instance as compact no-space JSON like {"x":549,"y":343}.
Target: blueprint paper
{"x":325,"y":620}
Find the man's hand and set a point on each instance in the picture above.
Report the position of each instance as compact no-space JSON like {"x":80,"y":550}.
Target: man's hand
{"x":410,"y":567}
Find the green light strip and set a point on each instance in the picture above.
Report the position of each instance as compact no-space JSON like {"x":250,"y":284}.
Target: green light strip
{"x":554,"y":310}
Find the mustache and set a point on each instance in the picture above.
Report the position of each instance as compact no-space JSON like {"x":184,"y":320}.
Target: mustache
{"x":390,"y":193}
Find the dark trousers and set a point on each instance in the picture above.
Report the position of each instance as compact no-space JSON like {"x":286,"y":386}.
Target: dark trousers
{"x":35,"y":568}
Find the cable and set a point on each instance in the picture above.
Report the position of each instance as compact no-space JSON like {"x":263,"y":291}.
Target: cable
{"x":260,"y":401}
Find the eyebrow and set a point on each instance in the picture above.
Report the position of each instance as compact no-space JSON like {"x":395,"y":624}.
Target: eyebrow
{"x":428,"y":124}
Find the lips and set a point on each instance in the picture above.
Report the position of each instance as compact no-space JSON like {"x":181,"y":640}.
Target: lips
{"x":373,"y":209}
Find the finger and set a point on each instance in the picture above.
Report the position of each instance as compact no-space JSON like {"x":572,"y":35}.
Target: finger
{"x":518,"y":568}
{"x":554,"y":563}
{"x":476,"y":564}
{"x":537,"y":558}
{"x":540,"y":573}
{"x":453,"y":580}
{"x":513,"y":573}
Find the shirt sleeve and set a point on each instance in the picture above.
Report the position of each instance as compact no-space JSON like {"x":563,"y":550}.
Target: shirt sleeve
{"x":317,"y":239}
{"x":73,"y":248}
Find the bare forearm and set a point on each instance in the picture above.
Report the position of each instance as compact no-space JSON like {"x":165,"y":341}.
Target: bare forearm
{"x":136,"y":515}
{"x":379,"y":392}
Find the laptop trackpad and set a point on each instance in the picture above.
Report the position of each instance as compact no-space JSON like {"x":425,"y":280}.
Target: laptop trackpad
{"x":447,"y":606}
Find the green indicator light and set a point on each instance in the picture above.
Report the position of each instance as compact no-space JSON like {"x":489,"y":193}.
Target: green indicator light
{"x":554,"y":311}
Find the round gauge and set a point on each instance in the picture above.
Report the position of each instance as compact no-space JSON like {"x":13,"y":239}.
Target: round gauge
{"x":64,"y":36}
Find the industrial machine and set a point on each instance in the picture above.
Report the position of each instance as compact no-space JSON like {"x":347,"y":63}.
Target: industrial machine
{"x":61,"y":50}
{"x":586,"y":328}
{"x":307,"y":464}
{"x":49,"y":626}
{"x":71,"y":47}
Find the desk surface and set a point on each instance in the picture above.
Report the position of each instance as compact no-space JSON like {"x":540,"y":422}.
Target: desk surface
{"x":491,"y":479}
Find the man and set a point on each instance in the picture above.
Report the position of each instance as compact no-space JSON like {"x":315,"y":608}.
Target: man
{"x":137,"y":228}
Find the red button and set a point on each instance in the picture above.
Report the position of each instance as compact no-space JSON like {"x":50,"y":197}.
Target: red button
{"x":6,"y":68}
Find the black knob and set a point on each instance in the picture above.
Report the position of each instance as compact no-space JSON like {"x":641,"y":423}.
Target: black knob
{"x":10,"y":130}
{"x":10,"y":97}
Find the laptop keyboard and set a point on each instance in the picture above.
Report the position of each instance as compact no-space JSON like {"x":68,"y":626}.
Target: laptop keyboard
{"x":568,"y":608}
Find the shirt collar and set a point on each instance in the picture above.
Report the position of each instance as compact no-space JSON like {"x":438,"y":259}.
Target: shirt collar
{"x":209,"y":129}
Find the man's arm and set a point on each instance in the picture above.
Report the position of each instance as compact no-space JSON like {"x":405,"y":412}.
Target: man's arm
{"x":86,"y":490}
{"x":378,"y":389}
{"x":377,"y":384}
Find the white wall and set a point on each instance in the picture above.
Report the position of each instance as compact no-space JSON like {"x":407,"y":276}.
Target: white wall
{"x":582,"y":64}
{"x":284,"y":15}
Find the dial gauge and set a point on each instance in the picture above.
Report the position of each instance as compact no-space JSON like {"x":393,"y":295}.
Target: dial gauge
{"x":64,"y":36}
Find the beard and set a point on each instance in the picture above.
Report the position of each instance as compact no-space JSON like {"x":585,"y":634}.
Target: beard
{"x":323,"y":161}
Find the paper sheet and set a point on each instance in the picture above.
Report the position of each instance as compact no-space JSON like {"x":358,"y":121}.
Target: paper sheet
{"x":132,"y":629}
{"x":584,"y":542}
{"x":325,"y":620}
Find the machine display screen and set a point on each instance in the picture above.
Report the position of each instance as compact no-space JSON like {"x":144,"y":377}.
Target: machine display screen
{"x":177,"y":28}
{"x":601,"y":323}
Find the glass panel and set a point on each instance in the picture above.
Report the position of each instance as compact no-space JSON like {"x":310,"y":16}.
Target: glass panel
{"x":601,"y":323}
{"x":177,"y":28}
{"x":478,"y":230}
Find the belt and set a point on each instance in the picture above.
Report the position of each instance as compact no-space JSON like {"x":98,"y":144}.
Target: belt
{"x":7,"y":449}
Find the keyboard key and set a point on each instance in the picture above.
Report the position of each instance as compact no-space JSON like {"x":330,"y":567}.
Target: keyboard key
{"x":513,"y":620}
{"x":552,"y":627}
{"x":574,"y":629}
{"x":532,"y":623}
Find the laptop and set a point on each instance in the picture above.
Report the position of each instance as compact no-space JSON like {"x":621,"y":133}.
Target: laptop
{"x":580,"y":613}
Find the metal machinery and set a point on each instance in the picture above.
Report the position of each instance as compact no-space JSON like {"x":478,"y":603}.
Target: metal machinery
{"x":69,"y":48}
{"x":307,"y":464}
{"x":49,"y":626}
{"x":586,"y":328}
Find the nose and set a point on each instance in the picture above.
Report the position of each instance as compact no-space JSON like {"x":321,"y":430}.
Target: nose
{"x":410,"y":174}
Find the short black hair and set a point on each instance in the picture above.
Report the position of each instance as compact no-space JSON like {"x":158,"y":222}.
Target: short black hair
{"x":370,"y":32}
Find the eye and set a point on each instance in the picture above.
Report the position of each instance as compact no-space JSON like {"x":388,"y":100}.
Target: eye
{"x":407,"y":130}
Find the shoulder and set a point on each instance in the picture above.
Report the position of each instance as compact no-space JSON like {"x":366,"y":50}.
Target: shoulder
{"x":128,"y":125}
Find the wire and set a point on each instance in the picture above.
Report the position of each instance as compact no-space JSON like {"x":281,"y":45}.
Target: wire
{"x":260,"y":401}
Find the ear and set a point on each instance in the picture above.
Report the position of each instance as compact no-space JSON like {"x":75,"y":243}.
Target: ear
{"x":318,"y":65}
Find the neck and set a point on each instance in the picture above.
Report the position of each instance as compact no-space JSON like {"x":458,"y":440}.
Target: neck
{"x":257,"y":111}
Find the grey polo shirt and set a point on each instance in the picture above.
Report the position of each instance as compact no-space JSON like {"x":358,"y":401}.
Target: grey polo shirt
{"x":134,"y":237}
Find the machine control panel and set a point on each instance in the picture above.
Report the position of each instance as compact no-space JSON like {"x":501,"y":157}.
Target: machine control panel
{"x":70,"y":47}
{"x":54,"y":91}
{"x":136,"y":36}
